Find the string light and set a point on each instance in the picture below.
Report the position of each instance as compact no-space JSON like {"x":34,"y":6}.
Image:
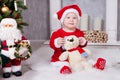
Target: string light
{"x":25,"y":2}
{"x":15,"y":5}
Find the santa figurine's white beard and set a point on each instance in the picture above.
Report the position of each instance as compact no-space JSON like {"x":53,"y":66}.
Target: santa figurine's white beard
{"x":10,"y":34}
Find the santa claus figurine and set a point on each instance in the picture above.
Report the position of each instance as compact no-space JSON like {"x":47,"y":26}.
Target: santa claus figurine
{"x":10,"y":36}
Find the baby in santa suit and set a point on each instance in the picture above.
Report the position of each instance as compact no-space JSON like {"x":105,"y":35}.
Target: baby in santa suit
{"x":69,"y":17}
{"x":10,"y":36}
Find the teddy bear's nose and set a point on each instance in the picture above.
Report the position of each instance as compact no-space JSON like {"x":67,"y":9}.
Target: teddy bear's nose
{"x":71,"y":40}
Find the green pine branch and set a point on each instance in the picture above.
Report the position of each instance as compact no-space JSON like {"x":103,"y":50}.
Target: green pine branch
{"x":21,"y":5}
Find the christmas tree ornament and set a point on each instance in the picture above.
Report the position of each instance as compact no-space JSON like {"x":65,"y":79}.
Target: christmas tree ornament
{"x":5,"y":9}
{"x":15,"y":14}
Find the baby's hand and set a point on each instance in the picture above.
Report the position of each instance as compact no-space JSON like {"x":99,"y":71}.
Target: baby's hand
{"x":60,"y":41}
{"x":82,"y":40}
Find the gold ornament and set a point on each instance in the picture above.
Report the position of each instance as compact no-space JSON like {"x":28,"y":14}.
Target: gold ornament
{"x":5,"y":9}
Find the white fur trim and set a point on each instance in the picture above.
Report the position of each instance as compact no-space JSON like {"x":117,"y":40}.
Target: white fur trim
{"x":60,"y":64}
{"x":84,"y":41}
{"x":68,"y":11}
{"x":9,"y":53}
{"x":55,"y":43}
{"x":55,"y":16}
{"x":8,"y":21}
{"x":16,"y":68}
{"x":7,"y":69}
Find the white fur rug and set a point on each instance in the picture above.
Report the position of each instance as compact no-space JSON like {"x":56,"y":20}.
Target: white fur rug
{"x":38,"y":67}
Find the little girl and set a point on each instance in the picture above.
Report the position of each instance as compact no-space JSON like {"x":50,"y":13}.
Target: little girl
{"x":69,"y":17}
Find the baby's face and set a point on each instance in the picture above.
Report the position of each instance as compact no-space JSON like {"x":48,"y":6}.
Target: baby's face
{"x":70,"y":21}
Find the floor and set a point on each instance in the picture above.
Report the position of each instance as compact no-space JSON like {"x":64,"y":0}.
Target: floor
{"x":38,"y":66}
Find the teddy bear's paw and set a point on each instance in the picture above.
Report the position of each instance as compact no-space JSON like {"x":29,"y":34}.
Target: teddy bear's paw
{"x":65,"y":70}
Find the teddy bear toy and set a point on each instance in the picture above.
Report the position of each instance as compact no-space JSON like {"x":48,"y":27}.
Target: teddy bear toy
{"x":76,"y":56}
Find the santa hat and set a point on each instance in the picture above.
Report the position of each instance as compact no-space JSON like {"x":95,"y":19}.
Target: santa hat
{"x":8,"y":21}
{"x":67,"y":9}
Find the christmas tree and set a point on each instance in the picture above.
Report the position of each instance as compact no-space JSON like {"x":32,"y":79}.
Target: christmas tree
{"x":13,"y":9}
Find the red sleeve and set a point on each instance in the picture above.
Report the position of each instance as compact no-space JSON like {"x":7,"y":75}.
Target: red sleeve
{"x":86,"y":41}
{"x":53,"y":37}
{"x":82,"y":35}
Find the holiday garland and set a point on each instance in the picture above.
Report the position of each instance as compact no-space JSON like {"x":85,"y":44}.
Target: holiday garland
{"x":29,"y":51}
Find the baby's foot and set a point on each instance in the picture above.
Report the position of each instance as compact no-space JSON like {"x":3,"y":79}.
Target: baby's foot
{"x":65,"y":70}
{"x":100,"y":64}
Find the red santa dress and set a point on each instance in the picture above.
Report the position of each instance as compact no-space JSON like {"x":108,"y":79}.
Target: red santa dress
{"x":9,"y":61}
{"x":61,"y":33}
